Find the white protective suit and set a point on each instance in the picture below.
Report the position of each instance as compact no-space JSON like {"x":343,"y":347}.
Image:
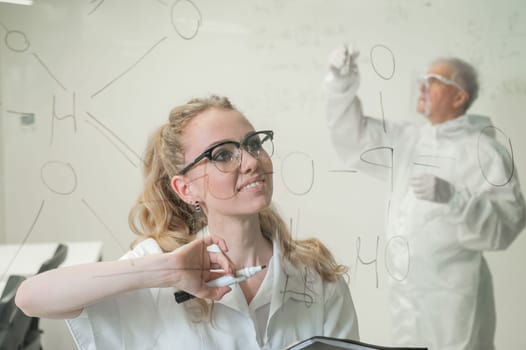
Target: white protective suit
{"x":442,"y":293}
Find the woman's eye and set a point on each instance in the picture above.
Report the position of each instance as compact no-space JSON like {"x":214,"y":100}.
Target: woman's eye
{"x":254,"y":145}
{"x":223,"y":155}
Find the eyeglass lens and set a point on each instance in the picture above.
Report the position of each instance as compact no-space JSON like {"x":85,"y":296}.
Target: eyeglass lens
{"x":227,"y":157}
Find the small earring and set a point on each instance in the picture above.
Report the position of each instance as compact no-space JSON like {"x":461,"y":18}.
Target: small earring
{"x":197,"y":207}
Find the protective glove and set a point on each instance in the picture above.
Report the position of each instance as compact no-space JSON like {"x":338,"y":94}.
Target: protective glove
{"x":343,"y":70}
{"x":342,"y":60}
{"x":432,"y":188}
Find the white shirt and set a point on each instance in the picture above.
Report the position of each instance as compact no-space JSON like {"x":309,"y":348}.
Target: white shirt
{"x":292,"y":304}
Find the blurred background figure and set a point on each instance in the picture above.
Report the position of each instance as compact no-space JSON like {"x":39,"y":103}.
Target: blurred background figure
{"x":455,"y":195}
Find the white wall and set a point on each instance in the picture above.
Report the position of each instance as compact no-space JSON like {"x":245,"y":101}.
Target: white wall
{"x":2,"y":182}
{"x":126,"y":64}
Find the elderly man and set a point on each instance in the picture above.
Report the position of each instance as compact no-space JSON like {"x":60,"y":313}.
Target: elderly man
{"x":455,"y":195}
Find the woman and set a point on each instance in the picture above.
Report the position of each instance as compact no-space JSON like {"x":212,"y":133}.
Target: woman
{"x":208,"y":183}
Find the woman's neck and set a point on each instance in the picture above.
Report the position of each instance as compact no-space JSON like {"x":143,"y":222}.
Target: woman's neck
{"x":244,"y":239}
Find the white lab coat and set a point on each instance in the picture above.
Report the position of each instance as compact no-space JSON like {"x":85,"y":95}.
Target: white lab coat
{"x":300,"y":305}
{"x":441,"y":290}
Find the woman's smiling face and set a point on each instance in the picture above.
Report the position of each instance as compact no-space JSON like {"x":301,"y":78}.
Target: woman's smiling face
{"x":245,"y":190}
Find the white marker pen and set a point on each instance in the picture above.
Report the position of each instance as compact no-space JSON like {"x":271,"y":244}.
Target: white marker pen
{"x":241,"y":275}
{"x":223,"y":281}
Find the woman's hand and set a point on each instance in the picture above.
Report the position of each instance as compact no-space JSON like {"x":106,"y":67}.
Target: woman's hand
{"x":193,"y":263}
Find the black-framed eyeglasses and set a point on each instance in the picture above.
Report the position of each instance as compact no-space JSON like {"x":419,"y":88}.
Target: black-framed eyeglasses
{"x":226,"y":155}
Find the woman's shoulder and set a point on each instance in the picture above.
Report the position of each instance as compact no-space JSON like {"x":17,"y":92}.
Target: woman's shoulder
{"x":145,"y":247}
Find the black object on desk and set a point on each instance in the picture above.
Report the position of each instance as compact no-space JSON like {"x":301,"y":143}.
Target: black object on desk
{"x":329,"y":343}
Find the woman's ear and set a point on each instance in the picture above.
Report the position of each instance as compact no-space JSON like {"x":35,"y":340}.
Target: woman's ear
{"x":182,"y":188}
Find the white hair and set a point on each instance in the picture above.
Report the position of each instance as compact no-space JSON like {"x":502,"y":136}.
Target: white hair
{"x":465,"y":75}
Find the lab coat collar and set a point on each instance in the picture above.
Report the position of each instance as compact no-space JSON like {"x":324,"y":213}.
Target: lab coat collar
{"x":290,"y":282}
{"x":462,"y":125}
{"x":235,"y":300}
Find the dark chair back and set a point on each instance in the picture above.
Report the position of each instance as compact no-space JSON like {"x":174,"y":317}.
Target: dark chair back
{"x":58,"y":258}
{"x":7,"y":301}
{"x":13,"y":323}
{"x":21,"y":332}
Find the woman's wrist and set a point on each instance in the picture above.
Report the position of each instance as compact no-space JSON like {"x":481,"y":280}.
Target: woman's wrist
{"x":154,"y":271}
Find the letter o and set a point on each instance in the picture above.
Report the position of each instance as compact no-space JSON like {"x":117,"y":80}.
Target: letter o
{"x":199,"y":20}
{"x":60,"y":186}
{"x":403,"y":246}
{"x":309,"y":181}
{"x":390,"y":53}
{"x":13,"y":38}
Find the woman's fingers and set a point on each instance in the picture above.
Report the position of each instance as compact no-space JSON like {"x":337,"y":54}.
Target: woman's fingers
{"x":214,"y":275}
{"x":197,"y":259}
{"x":218,"y":260}
{"x":209,"y":240}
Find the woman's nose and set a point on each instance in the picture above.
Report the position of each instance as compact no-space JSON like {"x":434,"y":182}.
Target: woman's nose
{"x":248,"y":161}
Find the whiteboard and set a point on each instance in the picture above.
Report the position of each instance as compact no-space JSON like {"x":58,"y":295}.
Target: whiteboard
{"x":83,"y":83}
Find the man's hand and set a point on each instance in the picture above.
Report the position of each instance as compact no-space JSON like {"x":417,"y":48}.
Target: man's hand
{"x":343,"y":73}
{"x":342,"y":60}
{"x":432,"y":188}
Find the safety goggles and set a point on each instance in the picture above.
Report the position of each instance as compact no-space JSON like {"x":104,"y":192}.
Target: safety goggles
{"x":428,"y":79}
